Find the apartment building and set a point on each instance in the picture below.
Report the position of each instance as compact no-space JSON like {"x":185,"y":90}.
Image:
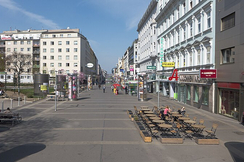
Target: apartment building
{"x":63,"y":51}
{"x":186,"y":36}
{"x":229,"y":54}
{"x":24,"y":42}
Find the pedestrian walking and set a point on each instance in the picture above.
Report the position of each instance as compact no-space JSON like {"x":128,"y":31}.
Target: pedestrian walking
{"x":104,"y":89}
{"x":126,"y":90}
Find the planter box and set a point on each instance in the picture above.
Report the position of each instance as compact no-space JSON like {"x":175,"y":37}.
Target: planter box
{"x":171,"y":140}
{"x":146,"y":136}
{"x":204,"y":141}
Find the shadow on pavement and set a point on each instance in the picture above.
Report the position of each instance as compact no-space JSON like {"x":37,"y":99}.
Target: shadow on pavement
{"x":3,"y":128}
{"x":236,"y":150}
{"x":20,"y":152}
{"x":83,"y":98}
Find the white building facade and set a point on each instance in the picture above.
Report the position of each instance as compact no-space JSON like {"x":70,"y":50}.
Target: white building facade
{"x":186,"y":36}
{"x":147,"y":38}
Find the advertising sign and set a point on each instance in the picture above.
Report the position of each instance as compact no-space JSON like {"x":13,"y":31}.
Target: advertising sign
{"x":161,"y":50}
{"x":168,"y":64}
{"x":208,"y":73}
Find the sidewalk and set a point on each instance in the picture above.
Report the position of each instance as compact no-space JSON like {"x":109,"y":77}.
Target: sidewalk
{"x":96,"y":128}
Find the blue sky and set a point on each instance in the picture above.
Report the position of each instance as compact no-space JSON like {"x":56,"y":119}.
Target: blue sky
{"x":109,"y":25}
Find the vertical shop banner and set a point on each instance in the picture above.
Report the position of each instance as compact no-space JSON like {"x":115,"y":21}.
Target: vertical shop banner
{"x":161,"y":50}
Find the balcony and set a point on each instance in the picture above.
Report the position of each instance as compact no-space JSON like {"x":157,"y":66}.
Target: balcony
{"x":36,"y":59}
{"x":36,"y":45}
{"x":36,"y":66}
{"x":36,"y":52}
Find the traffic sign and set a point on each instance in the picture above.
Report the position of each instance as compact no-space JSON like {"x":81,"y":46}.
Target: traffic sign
{"x":151,"y":67}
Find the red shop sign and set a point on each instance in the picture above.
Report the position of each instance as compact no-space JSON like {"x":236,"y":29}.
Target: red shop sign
{"x":208,"y":73}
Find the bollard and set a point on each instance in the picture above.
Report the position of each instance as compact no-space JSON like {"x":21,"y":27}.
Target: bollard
{"x":2,"y":105}
{"x":24,"y":100}
{"x":11,"y":105}
{"x":18,"y":100}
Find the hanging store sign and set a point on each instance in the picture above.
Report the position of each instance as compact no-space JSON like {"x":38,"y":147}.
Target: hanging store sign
{"x":168,"y":64}
{"x":208,"y":73}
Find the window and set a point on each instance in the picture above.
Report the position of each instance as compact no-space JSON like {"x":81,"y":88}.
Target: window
{"x":44,"y":50}
{"x":67,"y":42}
{"x":51,"y":64}
{"x":52,"y":42}
{"x":60,"y":50}
{"x":28,"y":49}
{"x":196,"y":93}
{"x":184,"y":33}
{"x":199,"y":24}
{"x":75,"y":42}
{"x":209,"y":20}
{"x":52,"y":50}
{"x":44,"y":57}
{"x":51,"y":57}
{"x":75,"y":64}
{"x":228,"y":55}
{"x":188,"y":92}
{"x":44,"y":43}
{"x":67,"y":49}
{"x":15,"y":42}
{"x":208,"y":55}
{"x":59,"y":42}
{"x":21,"y":42}
{"x":69,"y":35}
{"x":67,"y":64}
{"x":53,"y":35}
{"x":67,"y":71}
{"x":75,"y":57}
{"x":8,"y":50}
{"x":75,"y":49}
{"x":205,"y":91}
{"x":61,"y":35}
{"x":184,"y":8}
{"x":191,"y":4}
{"x":228,"y":22}
{"x":59,"y":57}
{"x":59,"y":64}
{"x":44,"y":72}
{"x":28,"y":42}
{"x":191,"y":29}
{"x":21,"y":49}
{"x":190,"y":58}
{"x":44,"y":64}
{"x":198,"y":56}
{"x":15,"y":49}
{"x":67,"y":57}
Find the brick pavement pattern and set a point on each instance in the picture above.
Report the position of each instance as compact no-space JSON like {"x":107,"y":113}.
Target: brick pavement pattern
{"x":96,"y":128}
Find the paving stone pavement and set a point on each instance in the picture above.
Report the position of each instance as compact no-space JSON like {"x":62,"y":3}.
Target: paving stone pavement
{"x":96,"y":128}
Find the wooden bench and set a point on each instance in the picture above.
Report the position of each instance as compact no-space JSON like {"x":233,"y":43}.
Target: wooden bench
{"x":10,"y":117}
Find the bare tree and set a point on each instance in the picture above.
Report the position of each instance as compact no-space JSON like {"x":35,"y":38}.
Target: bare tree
{"x":18,"y":63}
{"x":2,"y":61}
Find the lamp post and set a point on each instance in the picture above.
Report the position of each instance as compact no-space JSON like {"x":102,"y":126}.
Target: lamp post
{"x":55,"y":88}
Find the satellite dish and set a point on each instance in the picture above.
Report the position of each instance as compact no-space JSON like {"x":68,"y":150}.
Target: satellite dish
{"x":89,"y":65}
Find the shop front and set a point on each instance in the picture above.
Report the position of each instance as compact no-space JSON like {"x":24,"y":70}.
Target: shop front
{"x":229,"y":100}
